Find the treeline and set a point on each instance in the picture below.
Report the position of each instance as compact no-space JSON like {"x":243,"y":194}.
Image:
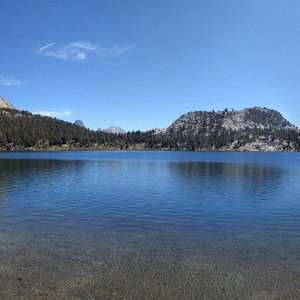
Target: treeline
{"x":21,"y":130}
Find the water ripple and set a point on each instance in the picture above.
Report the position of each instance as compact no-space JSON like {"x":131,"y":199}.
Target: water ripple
{"x":115,"y":225}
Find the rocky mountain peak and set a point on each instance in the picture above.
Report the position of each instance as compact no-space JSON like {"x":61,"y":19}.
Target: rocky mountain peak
{"x":113,"y":129}
{"x":79,"y":123}
{"x":5,"y":104}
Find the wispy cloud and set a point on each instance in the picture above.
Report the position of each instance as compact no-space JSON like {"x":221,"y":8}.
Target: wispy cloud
{"x":4,"y":81}
{"x":44,"y":48}
{"x":82,"y":50}
{"x":54,"y":114}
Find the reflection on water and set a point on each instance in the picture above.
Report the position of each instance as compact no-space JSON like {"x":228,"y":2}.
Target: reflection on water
{"x":149,"y":225}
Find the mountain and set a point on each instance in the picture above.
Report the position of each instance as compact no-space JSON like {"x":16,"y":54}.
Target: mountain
{"x":248,"y":129}
{"x":253,"y":129}
{"x":113,"y":129}
{"x":79,"y":123}
{"x":5,"y":104}
{"x":252,"y":118}
{"x":22,"y":130}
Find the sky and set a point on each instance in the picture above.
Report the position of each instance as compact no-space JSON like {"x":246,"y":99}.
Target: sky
{"x":142,"y":64}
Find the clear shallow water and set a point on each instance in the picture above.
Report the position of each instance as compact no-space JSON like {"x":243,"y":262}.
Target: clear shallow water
{"x":149,"y":225}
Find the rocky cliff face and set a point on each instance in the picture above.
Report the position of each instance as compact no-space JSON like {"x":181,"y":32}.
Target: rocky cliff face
{"x":5,"y":104}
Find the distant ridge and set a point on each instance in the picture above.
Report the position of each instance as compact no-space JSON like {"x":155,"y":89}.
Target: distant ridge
{"x":251,"y":129}
{"x":113,"y":129}
{"x":79,"y":123}
{"x":5,"y":104}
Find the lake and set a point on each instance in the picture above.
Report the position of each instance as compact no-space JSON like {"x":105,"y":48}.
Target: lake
{"x":149,"y":225}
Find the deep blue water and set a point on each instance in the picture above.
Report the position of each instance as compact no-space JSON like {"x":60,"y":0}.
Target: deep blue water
{"x":168,"y":225}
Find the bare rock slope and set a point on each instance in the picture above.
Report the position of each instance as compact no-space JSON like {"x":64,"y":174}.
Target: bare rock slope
{"x":113,"y":129}
{"x":5,"y":104}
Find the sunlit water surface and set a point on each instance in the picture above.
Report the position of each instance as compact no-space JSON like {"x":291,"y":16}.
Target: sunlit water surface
{"x":149,"y":225}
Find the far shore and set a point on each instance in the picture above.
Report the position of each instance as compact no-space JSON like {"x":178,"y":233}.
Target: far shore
{"x":66,"y":149}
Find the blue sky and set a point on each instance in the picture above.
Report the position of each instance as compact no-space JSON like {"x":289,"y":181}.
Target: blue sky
{"x":141,"y":64}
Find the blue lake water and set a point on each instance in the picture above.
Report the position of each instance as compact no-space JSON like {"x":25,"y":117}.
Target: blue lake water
{"x":149,"y":225}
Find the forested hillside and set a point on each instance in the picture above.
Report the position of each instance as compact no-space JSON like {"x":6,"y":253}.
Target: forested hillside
{"x":250,"y":129}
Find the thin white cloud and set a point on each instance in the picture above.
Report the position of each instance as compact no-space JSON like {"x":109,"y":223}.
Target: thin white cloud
{"x":54,"y":114}
{"x":83,"y":45}
{"x":44,"y":48}
{"x":114,"y":51}
{"x":82,"y":51}
{"x":4,"y":81}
